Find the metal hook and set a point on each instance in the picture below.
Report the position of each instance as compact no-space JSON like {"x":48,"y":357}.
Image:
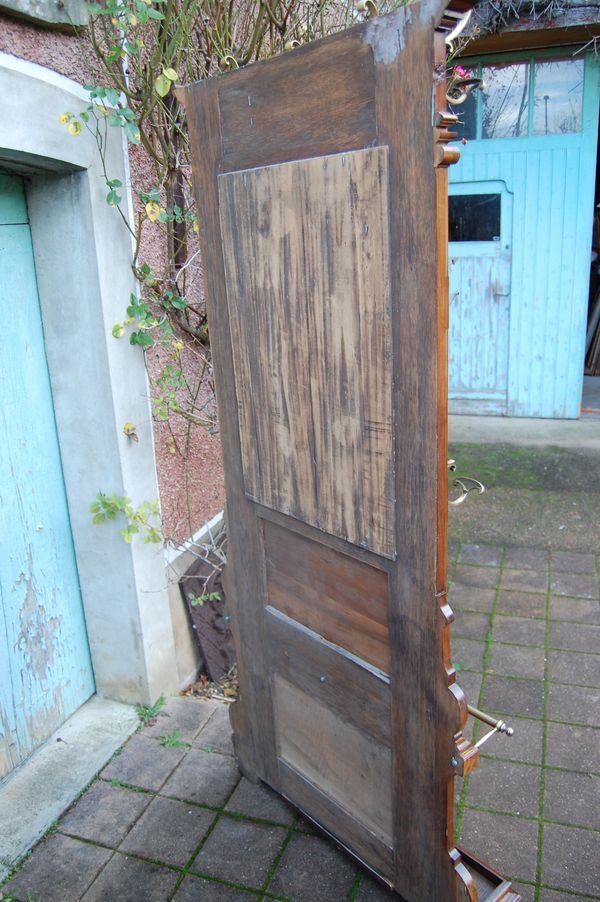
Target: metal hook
{"x":460,"y":484}
{"x":228,"y":62}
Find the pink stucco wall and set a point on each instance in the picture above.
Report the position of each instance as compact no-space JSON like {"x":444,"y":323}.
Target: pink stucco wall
{"x":190,"y":472}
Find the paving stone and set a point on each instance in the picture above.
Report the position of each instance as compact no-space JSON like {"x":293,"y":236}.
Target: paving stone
{"x":471,"y":598}
{"x":505,"y":842}
{"x":484,"y":577}
{"x":552,"y":895}
{"x":372,"y":891}
{"x":482,"y":555}
{"x":525,"y":580}
{"x":168,"y":831}
{"x":573,"y":747}
{"x":573,"y":562}
{"x":216,"y":735}
{"x":313,"y":868}
{"x":512,"y":696}
{"x":240,"y":851}
{"x":204,"y":778}
{"x":525,"y":890}
{"x":104,"y":814}
{"x":573,"y":799}
{"x":470,"y":626}
{"x":505,"y":786}
{"x":131,"y":880}
{"x":519,"y":630}
{"x":517,"y":660}
{"x":574,"y":704}
{"x":60,"y":869}
{"x":573,"y":667}
{"x":580,"y":584}
{"x":577,"y":610}
{"x":257,"y":800}
{"x":524,"y":745}
{"x":143,"y":762}
{"x":525,"y":604}
{"x":526,"y":559}
{"x":195,"y":889}
{"x":187,"y":715}
{"x":570,"y":859}
{"x":575,"y":636}
{"x":468,"y":653}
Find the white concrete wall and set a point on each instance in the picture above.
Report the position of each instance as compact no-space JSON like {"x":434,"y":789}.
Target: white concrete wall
{"x":83,"y":252}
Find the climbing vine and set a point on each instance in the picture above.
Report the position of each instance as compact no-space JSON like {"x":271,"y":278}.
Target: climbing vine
{"x":143,"y":49}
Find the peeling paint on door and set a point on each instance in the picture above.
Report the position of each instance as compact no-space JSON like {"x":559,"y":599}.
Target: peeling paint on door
{"x":45,"y":669}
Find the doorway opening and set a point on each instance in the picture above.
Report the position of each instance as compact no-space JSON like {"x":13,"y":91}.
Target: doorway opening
{"x":590,"y":401}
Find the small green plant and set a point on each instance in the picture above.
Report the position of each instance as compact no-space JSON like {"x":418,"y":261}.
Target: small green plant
{"x":149,"y":713}
{"x":144,"y":519}
{"x":173,"y":741}
{"x":197,"y":601}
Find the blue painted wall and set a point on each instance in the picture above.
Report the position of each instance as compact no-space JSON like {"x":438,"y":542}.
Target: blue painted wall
{"x":550,"y":180}
{"x":45,"y":669}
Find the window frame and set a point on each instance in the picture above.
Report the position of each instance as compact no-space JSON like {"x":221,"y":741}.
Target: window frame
{"x":476,"y":63}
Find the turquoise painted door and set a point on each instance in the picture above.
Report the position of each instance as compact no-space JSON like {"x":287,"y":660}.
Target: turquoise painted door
{"x":533,"y":130}
{"x":45,"y":669}
{"x":479,"y":256}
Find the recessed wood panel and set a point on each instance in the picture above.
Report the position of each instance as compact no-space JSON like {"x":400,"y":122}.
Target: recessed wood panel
{"x":340,"y":598}
{"x":306,"y":255}
{"x":344,"y":764}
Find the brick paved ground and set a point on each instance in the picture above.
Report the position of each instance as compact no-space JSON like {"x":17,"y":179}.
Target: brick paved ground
{"x":178,"y":823}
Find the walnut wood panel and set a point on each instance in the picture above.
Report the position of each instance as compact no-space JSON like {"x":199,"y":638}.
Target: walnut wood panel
{"x":338,"y":597}
{"x":307,"y":261}
{"x":276,"y":150}
{"x":258,"y":106}
{"x":339,"y":680}
{"x":344,"y":764}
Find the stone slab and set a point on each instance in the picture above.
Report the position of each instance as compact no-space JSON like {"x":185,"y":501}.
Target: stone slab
{"x":204,"y":778}
{"x":168,"y":831}
{"x":183,"y":714}
{"x":573,"y":562}
{"x":519,"y":630}
{"x":311,"y":868}
{"x":517,"y":660}
{"x":577,"y":610}
{"x":576,"y":748}
{"x":483,"y":577}
{"x":570,"y":859}
{"x":481,"y":555}
{"x":507,"y":843}
{"x":505,"y":786}
{"x":525,"y":580}
{"x":573,"y":667}
{"x":470,"y":626}
{"x":216,"y":736}
{"x":514,"y":696}
{"x":524,"y":604}
{"x":194,"y":889}
{"x":144,"y":763}
{"x":575,"y":637}
{"x":60,"y":869}
{"x":131,"y":880}
{"x":471,"y":598}
{"x":257,"y":800}
{"x":240,"y":851}
{"x":582,"y":585}
{"x":524,"y":745}
{"x":574,"y":704}
{"x":526,"y":558}
{"x":104,"y":814}
{"x":38,"y":792}
{"x":573,"y":799}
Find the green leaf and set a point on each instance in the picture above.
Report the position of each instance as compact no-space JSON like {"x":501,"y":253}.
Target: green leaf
{"x":171,"y":74}
{"x":162,"y":85}
{"x":132,"y":132}
{"x":113,"y":199}
{"x":118,"y":330}
{"x":154,"y":14}
{"x":179,"y":303}
{"x":114,"y":183}
{"x":142,"y":339}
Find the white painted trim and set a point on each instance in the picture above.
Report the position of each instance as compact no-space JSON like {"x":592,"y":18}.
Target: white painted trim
{"x":11,"y":63}
{"x":83,"y":256}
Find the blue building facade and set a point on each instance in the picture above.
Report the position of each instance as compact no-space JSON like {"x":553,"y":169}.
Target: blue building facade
{"x":521,"y":217}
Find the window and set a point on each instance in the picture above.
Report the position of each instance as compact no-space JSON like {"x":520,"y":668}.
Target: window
{"x":505,"y":100}
{"x":474,"y":217}
{"x":523,"y":98}
{"x":558,"y":96}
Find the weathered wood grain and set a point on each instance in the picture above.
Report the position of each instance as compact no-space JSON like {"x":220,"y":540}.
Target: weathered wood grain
{"x":347,"y":766}
{"x":260,"y":105}
{"x":340,"y":598}
{"x":307,"y":261}
{"x":338,"y":680}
